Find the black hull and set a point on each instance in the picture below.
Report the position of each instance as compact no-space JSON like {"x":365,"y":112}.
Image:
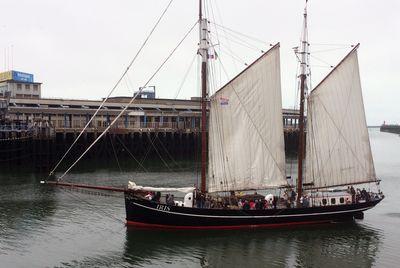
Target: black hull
{"x":144,"y":213}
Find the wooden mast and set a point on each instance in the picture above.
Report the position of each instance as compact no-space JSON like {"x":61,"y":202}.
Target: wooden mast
{"x":303,"y":78}
{"x":203,"y":51}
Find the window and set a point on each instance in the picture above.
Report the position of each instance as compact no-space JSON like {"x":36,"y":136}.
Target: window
{"x":324,"y":201}
{"x":19,"y":86}
{"x":341,"y":200}
{"x":35,"y":87}
{"x":27,"y":86}
{"x":333,"y":201}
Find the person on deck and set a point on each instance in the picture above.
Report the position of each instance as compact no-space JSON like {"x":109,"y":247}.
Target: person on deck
{"x":252,"y":204}
{"x":306,"y":202}
{"x":149,"y":196}
{"x":268,"y":204}
{"x":274,"y":202}
{"x":358,"y":195}
{"x":240,"y":204}
{"x":170,"y":200}
{"x":292,"y":197}
{"x":246,"y":205}
{"x":156,"y":197}
{"x":200,"y":200}
{"x":353,"y":194}
{"x":207,"y":203}
{"x":364,"y":195}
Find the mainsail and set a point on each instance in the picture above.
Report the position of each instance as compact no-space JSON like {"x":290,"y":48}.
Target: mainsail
{"x":246,"y":146}
{"x":338,"y":149}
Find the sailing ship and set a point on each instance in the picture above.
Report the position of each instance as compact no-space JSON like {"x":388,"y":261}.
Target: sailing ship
{"x":246,"y":149}
{"x":246,"y":152}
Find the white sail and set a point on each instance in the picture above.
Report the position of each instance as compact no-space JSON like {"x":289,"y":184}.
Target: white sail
{"x":246,"y":147}
{"x":338,"y":149}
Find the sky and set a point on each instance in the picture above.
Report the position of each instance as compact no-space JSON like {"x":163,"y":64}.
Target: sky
{"x":79,"y":49}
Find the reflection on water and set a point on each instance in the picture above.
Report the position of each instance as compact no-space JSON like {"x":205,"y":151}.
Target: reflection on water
{"x":46,"y":227}
{"x":314,"y":246}
{"x":24,"y":207}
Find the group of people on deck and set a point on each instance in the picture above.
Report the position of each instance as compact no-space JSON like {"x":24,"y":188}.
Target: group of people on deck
{"x":256,"y":204}
{"x":358,"y":195}
{"x":153,"y":196}
{"x":156,"y":197}
{"x":288,"y":199}
{"x":234,"y":201}
{"x":250,"y":202}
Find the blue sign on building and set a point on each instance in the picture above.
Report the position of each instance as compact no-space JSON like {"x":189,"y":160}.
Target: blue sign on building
{"x":22,"y":77}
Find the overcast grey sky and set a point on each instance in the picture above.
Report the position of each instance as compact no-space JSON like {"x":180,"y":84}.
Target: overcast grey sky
{"x":78,"y":49}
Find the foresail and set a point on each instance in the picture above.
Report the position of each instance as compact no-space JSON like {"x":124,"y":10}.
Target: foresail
{"x":246,"y":146}
{"x":338,"y":148}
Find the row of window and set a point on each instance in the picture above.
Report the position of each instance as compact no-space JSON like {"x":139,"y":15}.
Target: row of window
{"x":333,"y":201}
{"x":27,"y":96}
{"x":27,"y":87}
{"x":125,"y":124}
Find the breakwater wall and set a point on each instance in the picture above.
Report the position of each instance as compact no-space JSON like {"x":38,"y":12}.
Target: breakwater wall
{"x":390,"y":128}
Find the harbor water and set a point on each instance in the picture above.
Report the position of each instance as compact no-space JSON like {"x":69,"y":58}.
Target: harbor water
{"x":41,"y":226}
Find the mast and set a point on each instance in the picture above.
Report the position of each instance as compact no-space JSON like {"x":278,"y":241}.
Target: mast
{"x":203,"y":51}
{"x":303,"y":78}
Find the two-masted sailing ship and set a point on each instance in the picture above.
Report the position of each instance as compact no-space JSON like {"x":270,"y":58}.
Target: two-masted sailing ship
{"x":246,"y":152}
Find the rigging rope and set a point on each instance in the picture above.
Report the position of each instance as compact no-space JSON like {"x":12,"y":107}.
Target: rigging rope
{"x":239,"y":33}
{"x":185,"y":76}
{"x":242,"y":42}
{"x":338,"y":45}
{"x":234,"y":57}
{"x":145,"y":156}
{"x":219,"y":71}
{"x":323,"y":61}
{"x":130,"y":153}
{"x":131,"y":101}
{"x":327,"y":50}
{"x":158,"y":153}
{"x":115,"y":153}
{"x":93,"y":208}
{"x":168,"y":154}
{"x":115,"y":86}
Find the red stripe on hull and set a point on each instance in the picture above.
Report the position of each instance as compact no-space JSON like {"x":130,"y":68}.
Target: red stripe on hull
{"x":224,"y":227}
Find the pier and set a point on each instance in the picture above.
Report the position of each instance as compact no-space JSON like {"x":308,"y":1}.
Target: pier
{"x":390,"y":128}
{"x":43,"y":129}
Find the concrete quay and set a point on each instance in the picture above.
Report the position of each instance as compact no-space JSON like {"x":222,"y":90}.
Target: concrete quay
{"x":43,"y":129}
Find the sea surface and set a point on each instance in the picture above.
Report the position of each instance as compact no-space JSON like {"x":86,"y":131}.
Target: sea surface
{"x":42,"y":226}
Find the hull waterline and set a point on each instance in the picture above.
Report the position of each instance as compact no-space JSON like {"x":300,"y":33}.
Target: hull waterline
{"x":147,"y":214}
